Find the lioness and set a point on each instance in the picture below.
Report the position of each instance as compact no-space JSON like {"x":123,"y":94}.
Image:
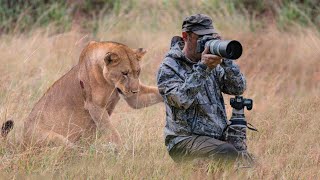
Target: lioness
{"x":81,"y":101}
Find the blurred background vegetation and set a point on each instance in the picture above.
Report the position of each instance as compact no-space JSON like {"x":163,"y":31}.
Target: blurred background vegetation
{"x":24,"y":15}
{"x":40,"y":40}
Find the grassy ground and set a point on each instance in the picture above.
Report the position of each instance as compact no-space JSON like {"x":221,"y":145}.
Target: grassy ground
{"x":282,"y":71}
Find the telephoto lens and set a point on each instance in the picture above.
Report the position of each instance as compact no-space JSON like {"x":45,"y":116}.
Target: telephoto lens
{"x":230,"y":49}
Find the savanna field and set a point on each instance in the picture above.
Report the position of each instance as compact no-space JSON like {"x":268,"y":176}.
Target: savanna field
{"x":281,"y":62}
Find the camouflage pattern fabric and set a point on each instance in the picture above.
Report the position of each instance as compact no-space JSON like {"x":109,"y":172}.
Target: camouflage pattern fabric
{"x":236,"y":135}
{"x":193,"y":95}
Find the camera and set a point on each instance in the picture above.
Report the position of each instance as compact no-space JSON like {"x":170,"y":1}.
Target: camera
{"x":230,"y":49}
{"x":239,"y":103}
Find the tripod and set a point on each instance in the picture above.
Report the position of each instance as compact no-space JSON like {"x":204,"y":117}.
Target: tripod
{"x":237,"y":130}
{"x":236,"y":133}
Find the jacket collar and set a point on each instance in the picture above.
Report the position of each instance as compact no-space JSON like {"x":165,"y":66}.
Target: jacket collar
{"x":176,"y":52}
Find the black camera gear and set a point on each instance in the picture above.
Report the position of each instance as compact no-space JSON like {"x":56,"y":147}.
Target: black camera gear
{"x":236,"y":130}
{"x":230,"y":49}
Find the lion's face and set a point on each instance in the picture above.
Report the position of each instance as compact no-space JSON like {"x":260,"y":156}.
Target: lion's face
{"x":122,"y":69}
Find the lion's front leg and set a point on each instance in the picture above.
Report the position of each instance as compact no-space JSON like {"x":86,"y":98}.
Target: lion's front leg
{"x":146,"y":96}
{"x":102,"y":120}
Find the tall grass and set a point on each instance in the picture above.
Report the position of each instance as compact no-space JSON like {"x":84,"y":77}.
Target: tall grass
{"x":282,"y":71}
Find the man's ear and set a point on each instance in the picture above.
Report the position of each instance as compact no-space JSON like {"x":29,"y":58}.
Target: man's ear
{"x":184,"y":36}
{"x":111,"y":59}
{"x":140,"y":52}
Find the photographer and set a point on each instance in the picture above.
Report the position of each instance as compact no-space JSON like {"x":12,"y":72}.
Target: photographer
{"x":191,"y":84}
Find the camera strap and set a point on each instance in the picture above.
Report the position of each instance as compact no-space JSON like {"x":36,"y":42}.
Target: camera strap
{"x":235,"y":122}
{"x":252,"y":128}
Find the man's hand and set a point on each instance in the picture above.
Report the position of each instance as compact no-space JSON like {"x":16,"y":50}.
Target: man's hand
{"x":209,"y":59}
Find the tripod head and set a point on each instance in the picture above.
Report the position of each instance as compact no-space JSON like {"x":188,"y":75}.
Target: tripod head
{"x":239,"y":103}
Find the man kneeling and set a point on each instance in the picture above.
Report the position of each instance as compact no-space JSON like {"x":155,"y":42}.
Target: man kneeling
{"x":191,"y":84}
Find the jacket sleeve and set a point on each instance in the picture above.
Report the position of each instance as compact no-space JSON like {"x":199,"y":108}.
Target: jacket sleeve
{"x":231,"y":80}
{"x":180,"y":90}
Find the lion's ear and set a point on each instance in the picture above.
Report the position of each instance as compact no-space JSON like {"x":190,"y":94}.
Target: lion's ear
{"x":111,"y":59}
{"x":140,"y":52}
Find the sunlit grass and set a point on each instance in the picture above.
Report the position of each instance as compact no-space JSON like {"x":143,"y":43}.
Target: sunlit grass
{"x":282,"y":71}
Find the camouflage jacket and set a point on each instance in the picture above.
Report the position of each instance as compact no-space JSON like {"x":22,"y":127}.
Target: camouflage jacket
{"x":192,"y":95}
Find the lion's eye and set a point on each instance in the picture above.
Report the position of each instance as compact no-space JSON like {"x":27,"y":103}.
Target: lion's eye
{"x":125,"y":73}
{"x":138,"y":72}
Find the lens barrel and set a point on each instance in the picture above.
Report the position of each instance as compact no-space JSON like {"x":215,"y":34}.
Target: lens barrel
{"x":230,"y":49}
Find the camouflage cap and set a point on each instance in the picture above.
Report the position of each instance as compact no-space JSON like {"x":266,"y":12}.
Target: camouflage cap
{"x":200,"y":24}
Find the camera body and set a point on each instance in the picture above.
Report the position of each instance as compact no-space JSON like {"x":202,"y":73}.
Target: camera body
{"x":230,"y":49}
{"x":239,"y":103}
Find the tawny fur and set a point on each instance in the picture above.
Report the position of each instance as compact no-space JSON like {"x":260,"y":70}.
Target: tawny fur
{"x":81,"y":101}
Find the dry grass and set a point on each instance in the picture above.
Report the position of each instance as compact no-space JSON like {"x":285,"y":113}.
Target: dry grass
{"x":283,"y":75}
